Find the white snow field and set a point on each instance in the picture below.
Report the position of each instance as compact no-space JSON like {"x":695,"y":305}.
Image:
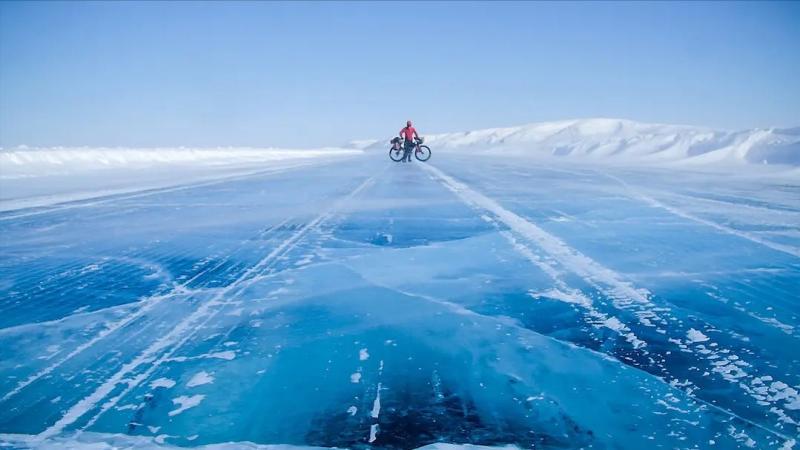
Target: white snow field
{"x":548,"y":299}
{"x":46,"y":176}
{"x":624,"y":142}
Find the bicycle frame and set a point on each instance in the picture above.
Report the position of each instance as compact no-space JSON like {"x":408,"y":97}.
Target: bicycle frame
{"x":398,"y":149}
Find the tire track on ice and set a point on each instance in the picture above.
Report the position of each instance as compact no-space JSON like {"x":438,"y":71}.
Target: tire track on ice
{"x":788,"y":249}
{"x":623,"y":293}
{"x":776,"y":395}
{"x":165,"y":347}
{"x":568,"y":294}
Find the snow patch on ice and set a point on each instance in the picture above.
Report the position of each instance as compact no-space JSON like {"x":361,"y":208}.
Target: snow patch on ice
{"x":573,"y":297}
{"x":612,"y":323}
{"x":376,"y":404}
{"x":185,"y":402}
{"x":162,"y":382}
{"x":741,"y":437}
{"x":200,"y":379}
{"x":227,"y":355}
{"x":696,"y":336}
{"x":373,"y":433}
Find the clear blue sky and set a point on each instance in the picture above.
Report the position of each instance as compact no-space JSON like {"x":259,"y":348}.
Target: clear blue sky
{"x":308,"y":74}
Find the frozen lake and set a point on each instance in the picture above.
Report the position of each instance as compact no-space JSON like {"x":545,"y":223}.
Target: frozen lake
{"x":364,"y":303}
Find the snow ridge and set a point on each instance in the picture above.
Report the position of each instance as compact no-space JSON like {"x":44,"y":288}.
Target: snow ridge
{"x":27,"y":161}
{"x":623,"y":141}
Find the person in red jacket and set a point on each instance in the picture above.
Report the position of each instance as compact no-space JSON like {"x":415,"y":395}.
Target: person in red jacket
{"x":409,"y":134}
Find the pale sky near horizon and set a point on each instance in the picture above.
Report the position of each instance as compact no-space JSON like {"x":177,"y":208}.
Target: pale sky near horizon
{"x":312,"y":74}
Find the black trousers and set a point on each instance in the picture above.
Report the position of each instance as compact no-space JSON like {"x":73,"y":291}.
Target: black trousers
{"x":408,"y":148}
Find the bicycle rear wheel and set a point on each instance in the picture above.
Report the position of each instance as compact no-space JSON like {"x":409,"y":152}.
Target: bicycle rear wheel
{"x":396,"y":154}
{"x":423,"y":153}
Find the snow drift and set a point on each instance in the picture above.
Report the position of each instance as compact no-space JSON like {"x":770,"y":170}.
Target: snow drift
{"x":35,"y":177}
{"x":625,"y":142}
{"x":24,"y":161}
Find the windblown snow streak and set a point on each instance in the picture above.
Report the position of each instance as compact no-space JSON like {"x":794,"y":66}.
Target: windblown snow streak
{"x":355,"y":302}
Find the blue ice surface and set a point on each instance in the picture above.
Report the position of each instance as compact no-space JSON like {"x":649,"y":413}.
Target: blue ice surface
{"x":372,"y":304}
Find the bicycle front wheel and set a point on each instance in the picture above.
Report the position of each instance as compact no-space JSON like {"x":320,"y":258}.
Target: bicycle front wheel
{"x":396,"y":154}
{"x":423,"y":153}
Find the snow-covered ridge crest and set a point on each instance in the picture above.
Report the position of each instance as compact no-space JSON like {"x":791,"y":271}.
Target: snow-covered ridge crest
{"x":624,"y":141}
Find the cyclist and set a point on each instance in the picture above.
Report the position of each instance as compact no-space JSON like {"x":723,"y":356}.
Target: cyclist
{"x":409,"y":134}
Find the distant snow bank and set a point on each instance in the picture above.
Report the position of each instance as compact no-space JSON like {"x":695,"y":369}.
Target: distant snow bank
{"x":623,"y":141}
{"x":24,"y":161}
{"x":37,"y":177}
{"x":108,"y":441}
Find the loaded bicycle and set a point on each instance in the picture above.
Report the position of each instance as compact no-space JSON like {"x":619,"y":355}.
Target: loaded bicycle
{"x":397,"y":150}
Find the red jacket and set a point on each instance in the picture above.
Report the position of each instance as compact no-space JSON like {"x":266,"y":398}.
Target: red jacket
{"x":408,"y":133}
